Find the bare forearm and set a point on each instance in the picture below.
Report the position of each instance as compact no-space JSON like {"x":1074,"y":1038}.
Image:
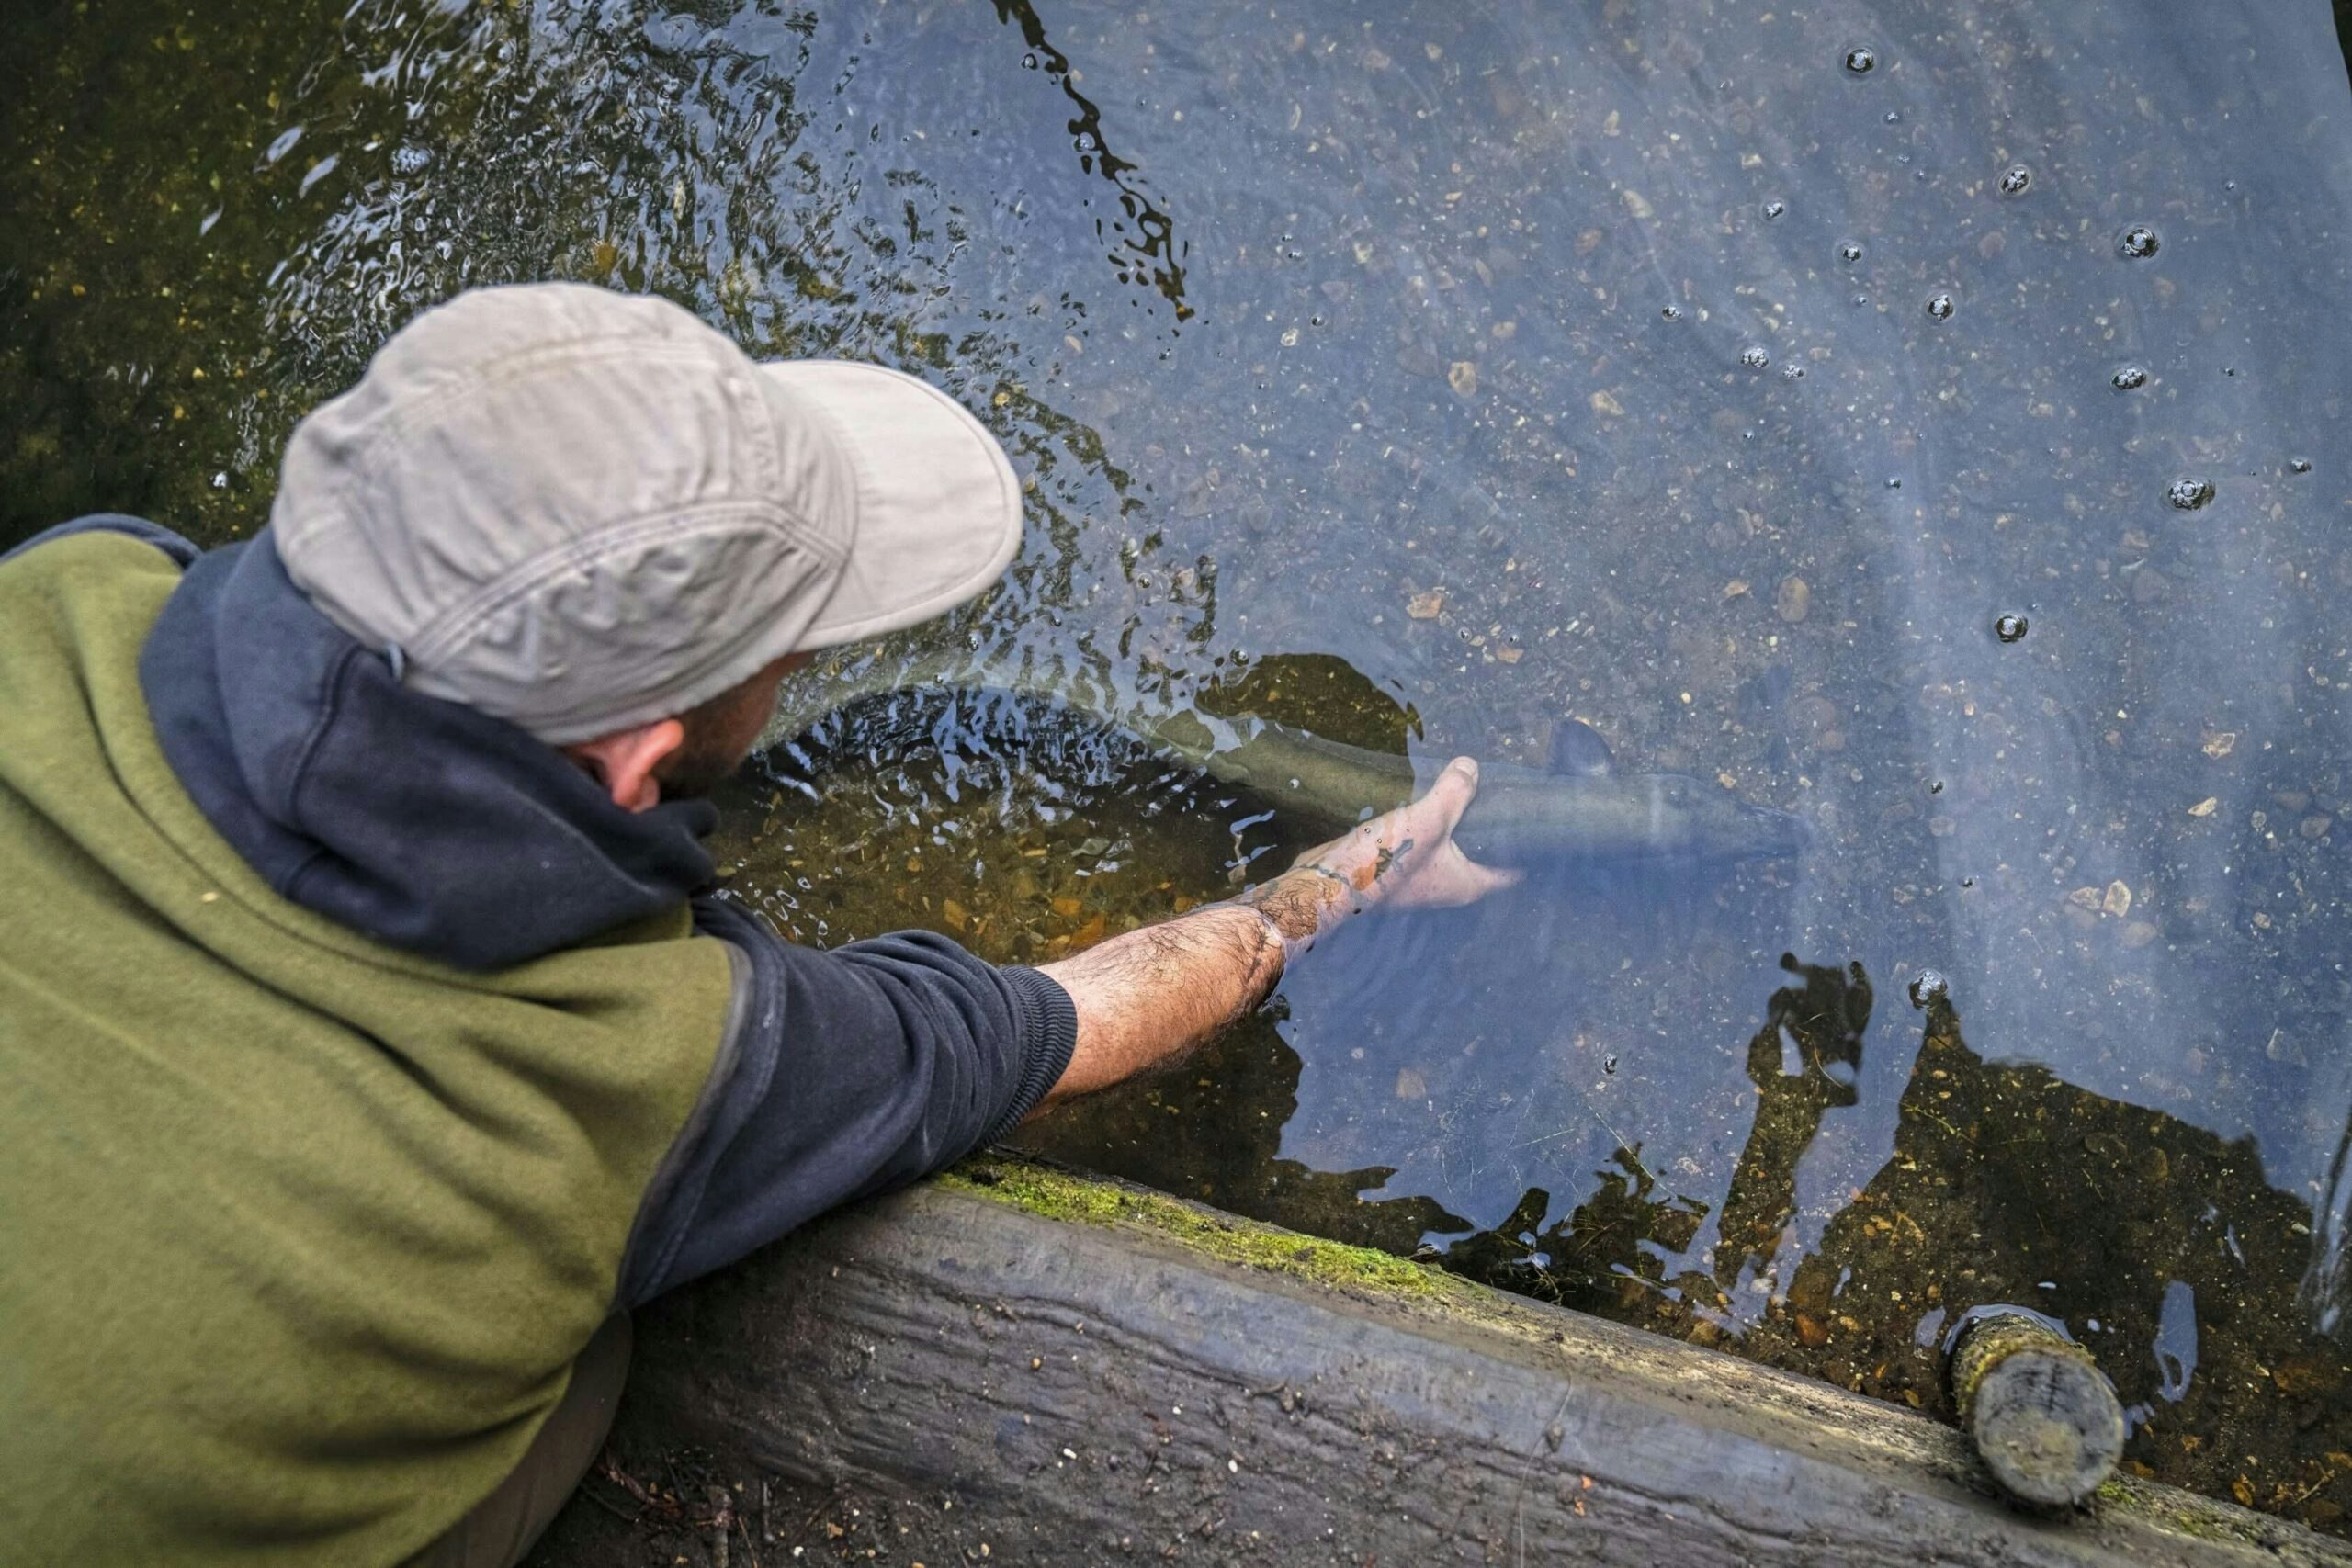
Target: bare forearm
{"x":1153,"y":994}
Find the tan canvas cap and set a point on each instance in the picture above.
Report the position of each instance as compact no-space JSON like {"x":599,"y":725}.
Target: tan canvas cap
{"x":581,"y":511}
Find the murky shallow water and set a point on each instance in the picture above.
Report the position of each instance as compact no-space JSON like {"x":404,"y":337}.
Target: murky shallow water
{"x":1426,"y":380}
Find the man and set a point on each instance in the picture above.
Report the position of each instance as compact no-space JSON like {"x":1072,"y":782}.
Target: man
{"x":366,"y":1051}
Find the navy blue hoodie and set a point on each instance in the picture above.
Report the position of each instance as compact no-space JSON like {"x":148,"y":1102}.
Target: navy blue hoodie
{"x":446,"y":832}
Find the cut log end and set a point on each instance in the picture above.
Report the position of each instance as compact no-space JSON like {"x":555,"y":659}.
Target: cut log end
{"x":2042,"y":1417}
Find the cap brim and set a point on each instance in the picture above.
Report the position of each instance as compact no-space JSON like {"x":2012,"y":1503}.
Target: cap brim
{"x":938,"y":507}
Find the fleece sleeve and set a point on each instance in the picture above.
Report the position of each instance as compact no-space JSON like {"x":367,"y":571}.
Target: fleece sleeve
{"x":139,"y":528}
{"x":845,"y":1073}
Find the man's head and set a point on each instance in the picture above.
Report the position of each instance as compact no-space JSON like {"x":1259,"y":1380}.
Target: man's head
{"x":592,"y":515}
{"x":686,"y":757}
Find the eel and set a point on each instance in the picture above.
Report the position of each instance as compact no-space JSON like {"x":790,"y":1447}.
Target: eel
{"x":1579,"y":808}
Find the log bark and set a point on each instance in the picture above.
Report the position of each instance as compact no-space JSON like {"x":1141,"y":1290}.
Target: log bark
{"x":966,"y":1372}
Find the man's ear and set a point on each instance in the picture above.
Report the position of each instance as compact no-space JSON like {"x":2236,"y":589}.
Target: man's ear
{"x":623,"y":760}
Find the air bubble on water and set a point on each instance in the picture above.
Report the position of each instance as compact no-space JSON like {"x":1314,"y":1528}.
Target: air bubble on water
{"x":1792,"y":372}
{"x":411,"y":160}
{"x":1928,"y":986}
{"x":1851,"y":251}
{"x":2009,"y":628}
{"x":1935,"y":786}
{"x":2126,"y":378}
{"x":220,"y":481}
{"x":2300,"y":465}
{"x":1672,"y":312}
{"x":1754,"y":358}
{"x":1609,"y":1064}
{"x":1859,"y":59}
{"x":1939,"y":307}
{"x":1893,"y":117}
{"x":1086,"y":141}
{"x":1029,"y":62}
{"x":2015,"y":178}
{"x":2189,"y":494}
{"x":1894,"y":483}
{"x":2138,"y":243}
{"x":1774,"y":209}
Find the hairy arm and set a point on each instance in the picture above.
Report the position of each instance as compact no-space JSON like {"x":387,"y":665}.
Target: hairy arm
{"x":1153,"y":994}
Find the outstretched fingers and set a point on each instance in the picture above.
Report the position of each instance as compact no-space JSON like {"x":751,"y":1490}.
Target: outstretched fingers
{"x":1448,"y":875}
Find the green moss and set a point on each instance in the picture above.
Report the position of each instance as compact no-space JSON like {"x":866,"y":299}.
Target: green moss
{"x":2184,"y":1513}
{"x":1057,"y":1195}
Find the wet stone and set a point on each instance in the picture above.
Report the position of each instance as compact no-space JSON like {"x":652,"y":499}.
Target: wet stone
{"x":2189,"y":494}
{"x":2138,"y":243}
{"x":1794,"y":599}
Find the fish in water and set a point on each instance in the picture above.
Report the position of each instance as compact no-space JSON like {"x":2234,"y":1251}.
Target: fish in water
{"x":1579,"y":808}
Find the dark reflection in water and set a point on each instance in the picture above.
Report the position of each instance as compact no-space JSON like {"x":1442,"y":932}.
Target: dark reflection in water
{"x":1449,"y":343}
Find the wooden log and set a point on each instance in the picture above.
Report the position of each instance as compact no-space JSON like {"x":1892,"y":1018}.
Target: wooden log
{"x":2043,"y":1417}
{"x":1014,"y":1365}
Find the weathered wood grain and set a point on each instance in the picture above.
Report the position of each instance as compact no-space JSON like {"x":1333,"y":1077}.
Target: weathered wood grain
{"x":977,"y":1371}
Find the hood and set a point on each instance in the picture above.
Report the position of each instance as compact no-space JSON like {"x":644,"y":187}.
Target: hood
{"x":422,"y":823}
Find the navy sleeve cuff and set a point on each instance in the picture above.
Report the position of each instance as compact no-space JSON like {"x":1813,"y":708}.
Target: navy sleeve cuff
{"x":1048,"y":1039}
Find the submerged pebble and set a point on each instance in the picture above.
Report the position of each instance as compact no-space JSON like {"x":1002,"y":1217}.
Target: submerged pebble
{"x":2138,"y":242}
{"x":1860,"y":60}
{"x":2015,"y":178}
{"x":2128,"y":377}
{"x":2009,"y":628}
{"x":2189,"y":494}
{"x":1939,"y":307}
{"x":1755,"y":358}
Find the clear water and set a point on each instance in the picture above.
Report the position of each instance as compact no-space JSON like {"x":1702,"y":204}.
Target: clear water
{"x":1388,"y":371}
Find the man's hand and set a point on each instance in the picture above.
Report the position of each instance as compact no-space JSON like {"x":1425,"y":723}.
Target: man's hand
{"x":1152,"y":993}
{"x":1406,"y":860}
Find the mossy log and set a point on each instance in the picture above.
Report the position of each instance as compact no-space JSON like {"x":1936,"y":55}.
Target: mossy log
{"x":1023,"y":1366}
{"x":2043,"y":1417}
